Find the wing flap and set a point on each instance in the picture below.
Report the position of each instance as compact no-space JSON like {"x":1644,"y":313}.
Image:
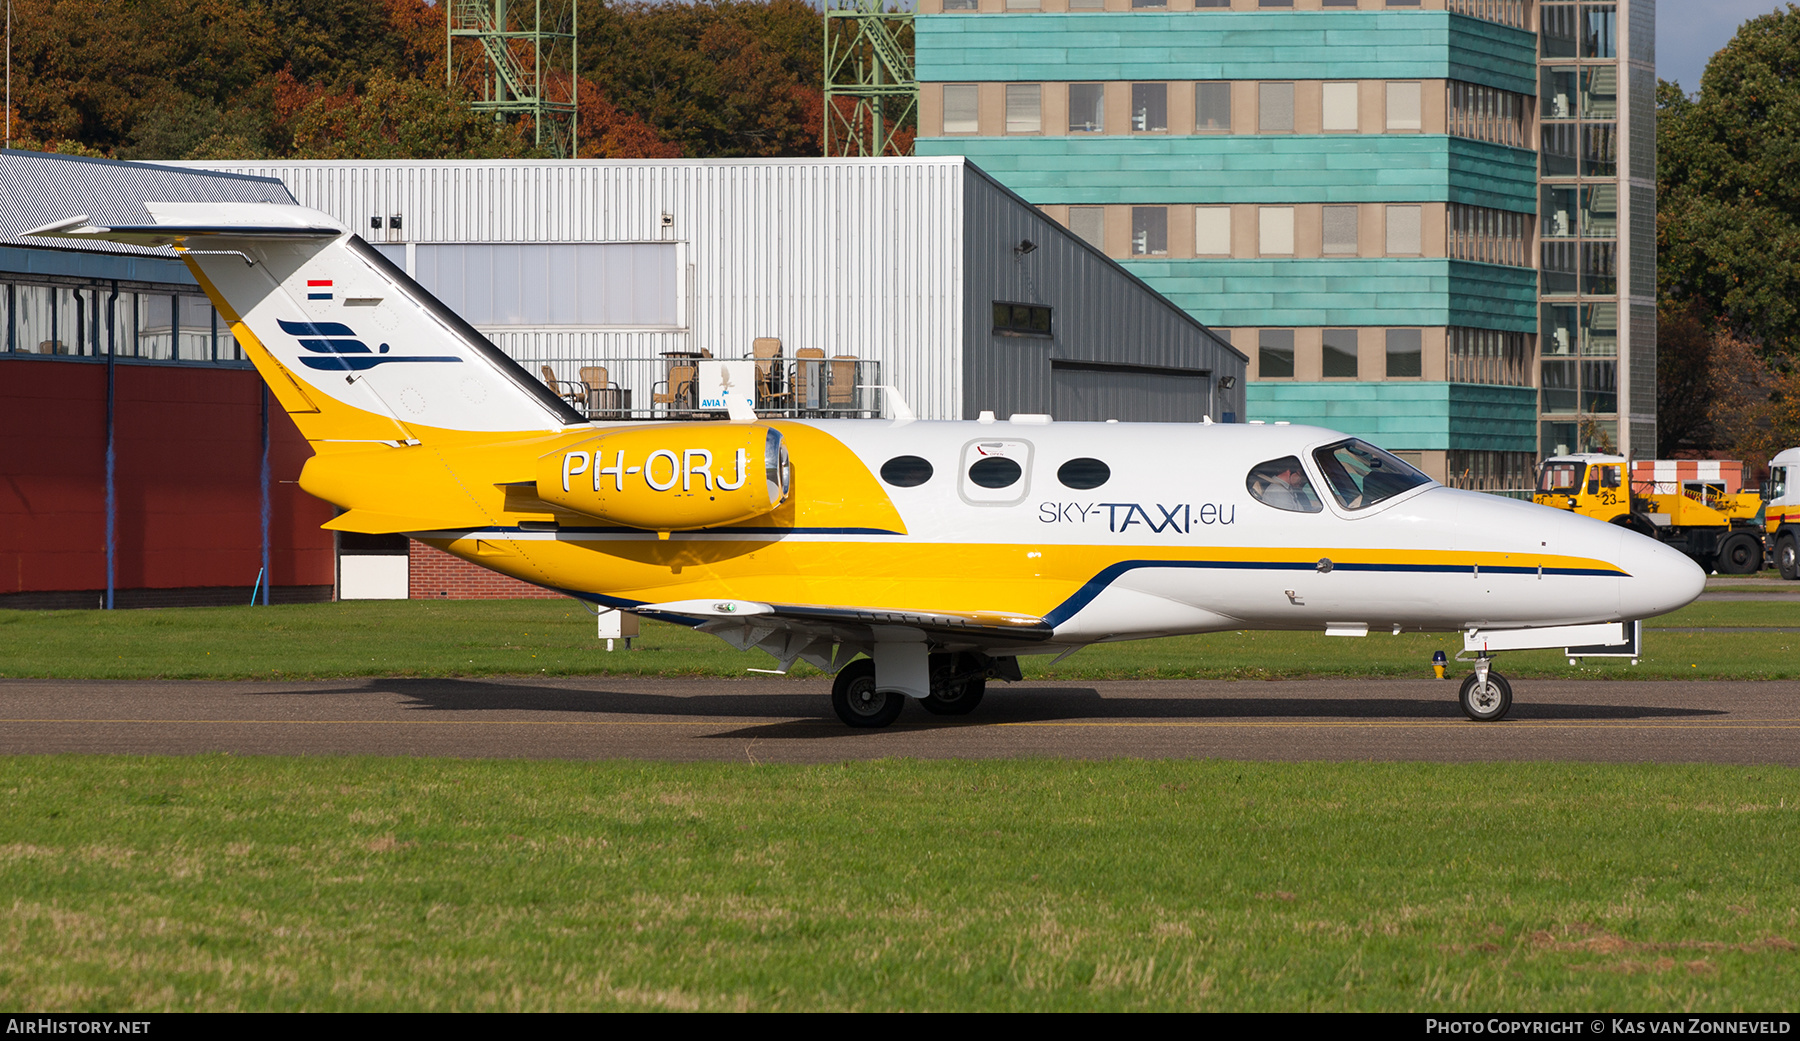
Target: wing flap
{"x":855,"y":624}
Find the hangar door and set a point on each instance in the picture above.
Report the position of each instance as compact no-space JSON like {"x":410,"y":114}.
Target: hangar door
{"x":1129,"y":394}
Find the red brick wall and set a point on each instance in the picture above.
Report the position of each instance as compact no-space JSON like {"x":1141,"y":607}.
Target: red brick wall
{"x":187,"y":479}
{"x":436,"y":575}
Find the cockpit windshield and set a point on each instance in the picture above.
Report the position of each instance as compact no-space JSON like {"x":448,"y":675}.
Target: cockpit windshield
{"x":1361,"y":475}
{"x":1282,"y":483}
{"x":1560,"y":478}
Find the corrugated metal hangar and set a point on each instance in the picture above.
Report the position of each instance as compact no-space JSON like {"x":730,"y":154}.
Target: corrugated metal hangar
{"x":905,"y":263}
{"x":136,"y":472}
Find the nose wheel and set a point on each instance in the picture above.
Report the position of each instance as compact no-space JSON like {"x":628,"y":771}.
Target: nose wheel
{"x":1485,"y":695}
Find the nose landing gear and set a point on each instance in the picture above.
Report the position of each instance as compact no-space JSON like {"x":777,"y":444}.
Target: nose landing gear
{"x":1485,"y":694}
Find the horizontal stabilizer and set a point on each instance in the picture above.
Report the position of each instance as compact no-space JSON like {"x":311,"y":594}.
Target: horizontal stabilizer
{"x":170,"y":234}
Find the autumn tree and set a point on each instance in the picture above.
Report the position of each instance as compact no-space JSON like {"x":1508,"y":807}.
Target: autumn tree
{"x":1728,"y":182}
{"x":718,"y":79}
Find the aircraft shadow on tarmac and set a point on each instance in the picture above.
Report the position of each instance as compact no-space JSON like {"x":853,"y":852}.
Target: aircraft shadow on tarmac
{"x":1030,"y":705}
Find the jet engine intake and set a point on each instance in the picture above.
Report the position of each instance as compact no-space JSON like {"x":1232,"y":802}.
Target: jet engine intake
{"x":670,"y":477}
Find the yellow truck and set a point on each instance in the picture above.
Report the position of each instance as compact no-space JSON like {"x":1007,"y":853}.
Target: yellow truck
{"x":1720,"y":530}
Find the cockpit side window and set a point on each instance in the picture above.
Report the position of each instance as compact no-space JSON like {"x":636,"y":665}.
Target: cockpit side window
{"x":1282,"y":483}
{"x":1361,"y":475}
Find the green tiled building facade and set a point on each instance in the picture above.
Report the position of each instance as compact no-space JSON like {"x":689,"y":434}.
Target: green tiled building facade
{"x":1406,"y":212}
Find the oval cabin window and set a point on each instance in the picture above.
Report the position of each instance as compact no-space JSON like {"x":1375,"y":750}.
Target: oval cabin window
{"x":1083,"y":474}
{"x":906,"y":471}
{"x":995,"y":472}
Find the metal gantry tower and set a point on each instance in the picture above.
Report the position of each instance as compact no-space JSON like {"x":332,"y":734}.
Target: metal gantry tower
{"x":525,"y":67}
{"x":871,"y":96}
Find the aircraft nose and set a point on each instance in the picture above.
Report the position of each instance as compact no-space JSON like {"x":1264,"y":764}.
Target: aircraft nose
{"x":1662,"y":579}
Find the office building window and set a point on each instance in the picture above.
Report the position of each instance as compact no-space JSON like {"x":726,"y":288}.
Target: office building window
{"x":1212,"y":107}
{"x":1403,"y":3}
{"x":1340,"y":106}
{"x":1557,"y":267}
{"x":1275,"y":107}
{"x":1557,"y":390}
{"x":1591,"y":330}
{"x":1338,"y":3}
{"x":1087,"y":108}
{"x":1486,"y":235}
{"x":1149,"y":230}
{"x":1149,"y":107}
{"x":1274,"y":3}
{"x":1141,"y":5}
{"x":961,"y":109}
{"x":1089,"y":222}
{"x":1203,"y":4}
{"x":1405,"y":354}
{"x":1022,"y":5}
{"x":1599,"y":149}
{"x":1275,"y":354}
{"x":1600,"y":386}
{"x":1484,"y":470}
{"x":1506,"y":12}
{"x":1557,"y":151}
{"x":1403,"y":230}
{"x":1338,"y":360}
{"x":1599,"y":30}
{"x":1275,"y":231}
{"x":1087,"y":5}
{"x":1488,"y":356}
{"x":1340,"y":230}
{"x":1403,"y":111}
{"x":1024,"y":108}
{"x":962,"y":5}
{"x":1212,"y":231}
{"x":1556,"y":32}
{"x":1599,"y":268}
{"x":1487,"y":114}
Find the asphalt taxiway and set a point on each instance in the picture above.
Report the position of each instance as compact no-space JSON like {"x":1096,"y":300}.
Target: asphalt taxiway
{"x":781,"y":720}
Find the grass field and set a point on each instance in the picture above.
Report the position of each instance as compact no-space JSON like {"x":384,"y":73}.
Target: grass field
{"x":351,"y":884}
{"x":370,"y":884}
{"x":555,"y":637}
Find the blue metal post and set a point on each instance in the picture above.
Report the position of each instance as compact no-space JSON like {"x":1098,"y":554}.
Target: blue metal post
{"x":112,"y":501}
{"x":268,"y":578}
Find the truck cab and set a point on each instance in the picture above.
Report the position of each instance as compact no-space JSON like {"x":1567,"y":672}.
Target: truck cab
{"x":1781,"y":511}
{"x":1590,"y":484}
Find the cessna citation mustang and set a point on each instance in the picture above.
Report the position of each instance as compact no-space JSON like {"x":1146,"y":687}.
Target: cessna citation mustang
{"x":914,"y":559}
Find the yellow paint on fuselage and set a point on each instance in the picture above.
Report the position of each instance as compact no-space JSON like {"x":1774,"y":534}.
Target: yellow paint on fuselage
{"x":897,"y":574}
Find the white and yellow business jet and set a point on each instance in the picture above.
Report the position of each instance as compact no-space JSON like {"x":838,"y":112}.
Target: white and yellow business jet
{"x":914,"y":559}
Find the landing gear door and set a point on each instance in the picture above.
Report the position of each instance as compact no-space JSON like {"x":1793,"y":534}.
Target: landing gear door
{"x":995,"y":472}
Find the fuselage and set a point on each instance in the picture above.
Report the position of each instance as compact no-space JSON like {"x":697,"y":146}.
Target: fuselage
{"x":1108,"y":531}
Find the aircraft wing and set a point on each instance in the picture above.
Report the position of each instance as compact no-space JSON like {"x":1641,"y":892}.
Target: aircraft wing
{"x":829,"y":635}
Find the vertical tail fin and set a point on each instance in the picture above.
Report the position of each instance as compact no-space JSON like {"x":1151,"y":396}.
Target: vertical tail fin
{"x":354,"y":349}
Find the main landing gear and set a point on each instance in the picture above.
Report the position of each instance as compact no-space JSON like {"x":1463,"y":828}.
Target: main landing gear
{"x":958,"y":682}
{"x":1485,"y":694}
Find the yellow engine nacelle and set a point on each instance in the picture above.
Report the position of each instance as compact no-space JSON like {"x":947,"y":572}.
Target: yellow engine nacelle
{"x":670,"y":477}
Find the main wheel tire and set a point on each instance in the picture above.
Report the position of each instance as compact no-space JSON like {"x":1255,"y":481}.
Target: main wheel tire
{"x":1740,"y":555}
{"x":1787,"y":557}
{"x":856,"y":701}
{"x":1486,"y":702}
{"x":953,"y":697}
